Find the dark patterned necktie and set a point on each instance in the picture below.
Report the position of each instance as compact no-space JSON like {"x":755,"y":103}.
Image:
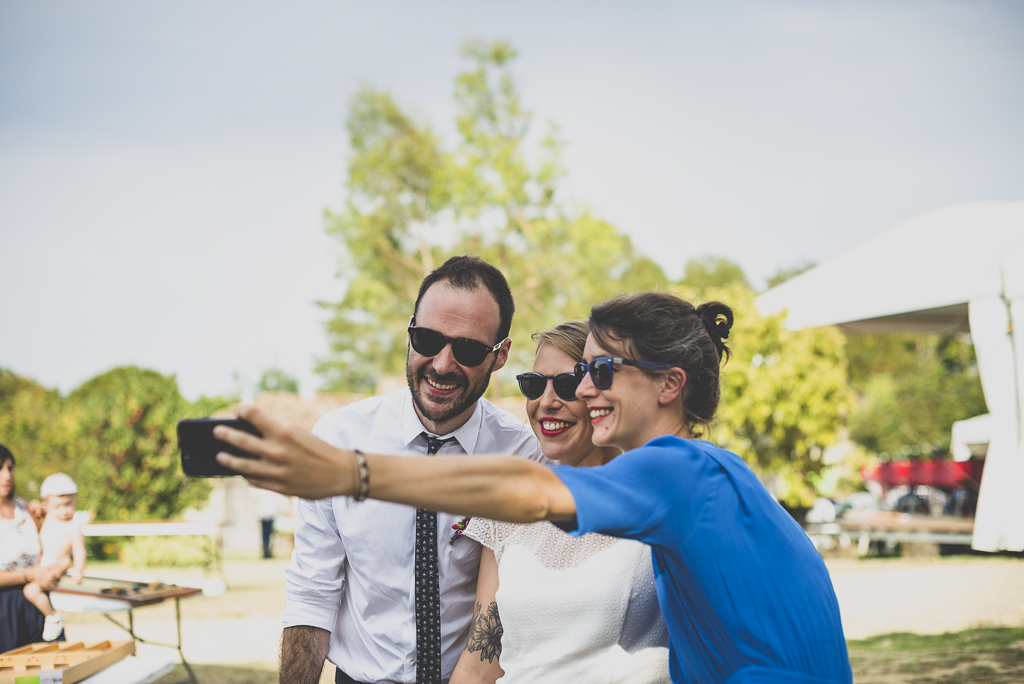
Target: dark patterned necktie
{"x":428,"y":590}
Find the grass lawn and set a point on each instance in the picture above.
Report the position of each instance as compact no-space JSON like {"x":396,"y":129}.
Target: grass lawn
{"x":984,"y":655}
{"x":237,"y":674}
{"x":224,"y":674}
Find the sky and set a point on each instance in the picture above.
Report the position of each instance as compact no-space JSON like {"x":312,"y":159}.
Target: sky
{"x":165,"y":166}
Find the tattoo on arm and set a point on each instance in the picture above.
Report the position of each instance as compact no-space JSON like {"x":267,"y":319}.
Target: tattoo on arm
{"x":485,"y":632}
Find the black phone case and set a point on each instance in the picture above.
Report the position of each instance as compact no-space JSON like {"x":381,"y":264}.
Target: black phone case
{"x":199,"y":448}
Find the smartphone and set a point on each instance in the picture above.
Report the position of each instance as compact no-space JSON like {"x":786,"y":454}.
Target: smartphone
{"x":199,"y":448}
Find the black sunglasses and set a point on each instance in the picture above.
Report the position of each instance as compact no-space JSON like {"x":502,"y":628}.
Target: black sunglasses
{"x":600,"y":369}
{"x":532,"y":385}
{"x":467,"y":352}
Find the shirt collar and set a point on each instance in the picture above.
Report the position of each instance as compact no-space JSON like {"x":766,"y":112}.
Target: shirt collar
{"x":467,"y":435}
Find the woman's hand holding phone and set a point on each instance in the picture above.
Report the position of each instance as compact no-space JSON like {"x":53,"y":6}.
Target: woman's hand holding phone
{"x":287,"y":459}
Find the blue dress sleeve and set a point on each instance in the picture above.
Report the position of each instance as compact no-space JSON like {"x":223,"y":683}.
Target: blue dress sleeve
{"x":636,"y":494}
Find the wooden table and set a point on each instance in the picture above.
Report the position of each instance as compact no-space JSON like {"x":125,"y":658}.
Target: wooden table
{"x":892,"y":527}
{"x":108,"y":593}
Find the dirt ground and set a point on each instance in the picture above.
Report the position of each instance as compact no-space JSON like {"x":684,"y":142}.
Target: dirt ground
{"x":876,"y":597}
{"x":928,"y":596}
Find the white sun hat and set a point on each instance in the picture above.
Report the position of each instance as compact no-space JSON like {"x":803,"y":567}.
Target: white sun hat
{"x":58,"y":484}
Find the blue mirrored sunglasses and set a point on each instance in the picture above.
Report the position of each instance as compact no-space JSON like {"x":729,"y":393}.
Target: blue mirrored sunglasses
{"x":600,"y":369}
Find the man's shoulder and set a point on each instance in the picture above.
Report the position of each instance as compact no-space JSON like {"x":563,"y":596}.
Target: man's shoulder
{"x":497,"y":416}
{"x":508,"y":431}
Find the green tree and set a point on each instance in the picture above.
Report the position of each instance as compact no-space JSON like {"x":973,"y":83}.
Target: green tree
{"x":789,"y":272}
{"x":277,"y":380}
{"x":398,"y":187}
{"x":412,"y":204}
{"x":912,"y":389}
{"x":784,"y":395}
{"x":712,"y":271}
{"x":126,"y":449}
{"x":34,"y":428}
{"x":115,"y":435}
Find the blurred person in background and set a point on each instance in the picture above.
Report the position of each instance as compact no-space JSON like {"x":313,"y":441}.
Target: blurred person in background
{"x":550,"y":607}
{"x":21,"y":623}
{"x":269,"y":505}
{"x":62,"y":541}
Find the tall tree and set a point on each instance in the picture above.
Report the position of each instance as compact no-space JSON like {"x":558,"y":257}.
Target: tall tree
{"x":398,"y":189}
{"x":712,"y":271}
{"x":412,"y":204}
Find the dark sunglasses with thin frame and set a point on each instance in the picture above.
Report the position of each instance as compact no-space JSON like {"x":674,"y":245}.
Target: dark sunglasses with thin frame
{"x":532,"y":385}
{"x":467,"y":352}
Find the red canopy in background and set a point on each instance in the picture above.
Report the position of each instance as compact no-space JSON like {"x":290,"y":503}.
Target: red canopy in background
{"x":942,"y":473}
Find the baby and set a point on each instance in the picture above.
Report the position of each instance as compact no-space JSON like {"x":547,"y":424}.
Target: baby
{"x":60,"y":538}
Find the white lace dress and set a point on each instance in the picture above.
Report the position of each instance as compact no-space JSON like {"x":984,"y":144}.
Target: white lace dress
{"x":575,"y":610}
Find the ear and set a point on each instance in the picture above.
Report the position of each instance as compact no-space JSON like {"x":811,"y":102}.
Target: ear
{"x":499,"y":363}
{"x":672,"y":384}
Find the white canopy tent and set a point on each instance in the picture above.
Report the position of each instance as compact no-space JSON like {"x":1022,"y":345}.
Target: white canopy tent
{"x":958,"y":269}
{"x":971,"y":437}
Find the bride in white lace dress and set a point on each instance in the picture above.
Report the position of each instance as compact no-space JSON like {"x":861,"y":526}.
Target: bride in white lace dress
{"x":550,"y":607}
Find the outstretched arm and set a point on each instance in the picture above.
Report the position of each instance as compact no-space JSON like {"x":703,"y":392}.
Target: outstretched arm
{"x":295,"y":462}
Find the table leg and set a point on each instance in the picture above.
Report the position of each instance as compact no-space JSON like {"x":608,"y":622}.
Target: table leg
{"x":177,"y":615}
{"x":130,"y":628}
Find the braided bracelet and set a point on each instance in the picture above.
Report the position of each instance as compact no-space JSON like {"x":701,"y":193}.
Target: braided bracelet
{"x":364,"y":476}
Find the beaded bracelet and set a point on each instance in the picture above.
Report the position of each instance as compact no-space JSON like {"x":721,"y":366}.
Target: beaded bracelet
{"x":364,"y":476}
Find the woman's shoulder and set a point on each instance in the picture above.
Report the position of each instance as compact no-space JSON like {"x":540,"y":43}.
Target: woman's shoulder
{"x":678,"y":448}
{"x":491,"y":533}
{"x":21,"y":511}
{"x":553,"y":548}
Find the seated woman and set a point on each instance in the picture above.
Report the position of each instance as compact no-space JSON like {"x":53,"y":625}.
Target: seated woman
{"x":20,"y":622}
{"x":744,"y":593}
{"x":551,"y":608}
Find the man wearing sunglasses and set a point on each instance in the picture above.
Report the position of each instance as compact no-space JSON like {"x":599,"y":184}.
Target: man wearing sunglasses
{"x":386,"y":592}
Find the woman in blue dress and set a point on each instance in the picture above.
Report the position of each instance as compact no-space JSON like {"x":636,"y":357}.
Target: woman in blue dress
{"x":744,"y":593}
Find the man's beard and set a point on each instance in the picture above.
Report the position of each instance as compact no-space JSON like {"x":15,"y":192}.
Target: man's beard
{"x":458,"y":402}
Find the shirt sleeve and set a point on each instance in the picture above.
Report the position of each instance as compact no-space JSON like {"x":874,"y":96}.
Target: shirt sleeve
{"x":315,"y":578}
{"x":650,"y":494}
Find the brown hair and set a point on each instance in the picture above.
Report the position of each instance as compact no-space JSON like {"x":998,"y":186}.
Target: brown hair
{"x":470,"y":273}
{"x":569,"y":338}
{"x":658,"y":326}
{"x":5,"y":456}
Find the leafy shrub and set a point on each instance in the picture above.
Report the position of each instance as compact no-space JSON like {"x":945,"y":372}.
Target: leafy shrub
{"x":169,"y":552}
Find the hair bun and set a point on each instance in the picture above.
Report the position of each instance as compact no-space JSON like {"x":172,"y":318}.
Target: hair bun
{"x":717,"y":318}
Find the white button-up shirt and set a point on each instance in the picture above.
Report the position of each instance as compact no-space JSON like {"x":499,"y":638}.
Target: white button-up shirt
{"x":352,"y":569}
